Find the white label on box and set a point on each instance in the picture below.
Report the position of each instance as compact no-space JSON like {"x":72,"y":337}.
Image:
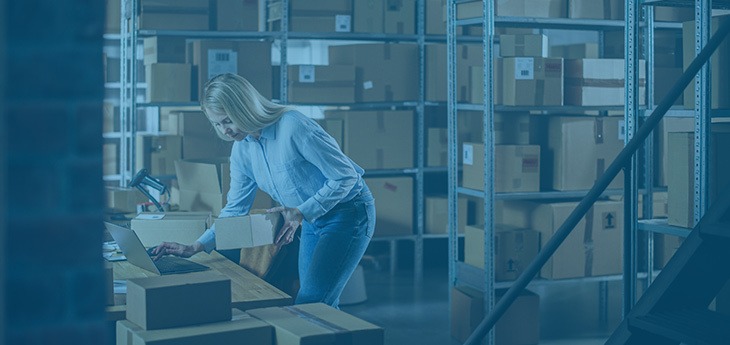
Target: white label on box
{"x":222,"y":61}
{"x":622,"y":130}
{"x":367,"y":85}
{"x":306,"y":74}
{"x":342,"y":23}
{"x":151,"y":216}
{"x":468,"y":154}
{"x":524,"y":68}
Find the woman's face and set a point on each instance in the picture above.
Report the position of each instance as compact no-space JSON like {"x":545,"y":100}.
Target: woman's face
{"x":223,"y":123}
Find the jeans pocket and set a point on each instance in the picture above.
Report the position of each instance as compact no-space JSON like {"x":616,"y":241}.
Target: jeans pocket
{"x":366,"y":218}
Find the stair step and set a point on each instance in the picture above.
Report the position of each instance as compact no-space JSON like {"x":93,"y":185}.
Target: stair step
{"x":691,"y":326}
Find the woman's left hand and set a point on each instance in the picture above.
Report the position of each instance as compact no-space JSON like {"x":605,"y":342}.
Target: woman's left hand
{"x":292,"y":220}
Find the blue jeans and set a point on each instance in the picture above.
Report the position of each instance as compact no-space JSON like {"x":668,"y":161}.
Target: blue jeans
{"x":331,"y":248}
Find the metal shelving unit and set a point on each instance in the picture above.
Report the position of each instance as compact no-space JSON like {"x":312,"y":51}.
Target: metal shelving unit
{"x":129,"y":85}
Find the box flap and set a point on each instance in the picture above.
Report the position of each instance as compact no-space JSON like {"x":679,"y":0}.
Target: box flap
{"x":204,"y":175}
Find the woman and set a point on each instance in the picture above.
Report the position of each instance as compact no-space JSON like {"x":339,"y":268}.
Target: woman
{"x":290,"y":157}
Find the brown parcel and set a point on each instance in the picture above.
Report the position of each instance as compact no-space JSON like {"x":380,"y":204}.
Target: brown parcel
{"x":178,"y":300}
{"x":153,"y":228}
{"x":241,"y":328}
{"x":248,"y":231}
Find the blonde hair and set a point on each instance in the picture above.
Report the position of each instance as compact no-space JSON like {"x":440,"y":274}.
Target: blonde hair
{"x":234,"y":96}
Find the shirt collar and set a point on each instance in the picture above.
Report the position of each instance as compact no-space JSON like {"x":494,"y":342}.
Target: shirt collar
{"x":268,"y":133}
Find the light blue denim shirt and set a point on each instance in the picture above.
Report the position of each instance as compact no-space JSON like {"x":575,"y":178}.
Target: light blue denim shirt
{"x":297,"y":163}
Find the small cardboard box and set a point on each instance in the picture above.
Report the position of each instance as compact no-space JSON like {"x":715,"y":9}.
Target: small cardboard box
{"x":437,"y":214}
{"x":174,"y":15}
{"x":178,"y":300}
{"x":523,"y":45}
{"x":164,"y":49}
{"x":597,"y":82}
{"x":516,"y":167}
{"x":467,"y":56}
{"x":153,"y":228}
{"x":400,"y":17}
{"x":529,"y":81}
{"x":368,"y":16}
{"x":318,"y":323}
{"x":158,"y":153}
{"x":255,"y":229}
{"x":514,"y":249}
{"x":125,"y":200}
{"x":519,"y":325}
{"x":199,"y":139}
{"x":241,"y":326}
{"x":321,"y":84}
{"x":237,"y":15}
{"x":169,"y":82}
{"x":313,"y":16}
{"x":575,"y":51}
{"x":596,"y":9}
{"x":395,"y":205}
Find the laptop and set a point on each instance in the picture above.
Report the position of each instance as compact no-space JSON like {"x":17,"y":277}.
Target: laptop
{"x":137,"y":255}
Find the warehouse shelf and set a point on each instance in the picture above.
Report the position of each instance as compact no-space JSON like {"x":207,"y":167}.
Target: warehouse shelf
{"x":444,"y":236}
{"x":561,"y":23}
{"x":549,"y":109}
{"x":548,"y":195}
{"x":681,"y":112}
{"x":112,"y":135}
{"x":112,"y":178}
{"x":116,"y":85}
{"x":661,"y":226}
{"x":204,"y":34}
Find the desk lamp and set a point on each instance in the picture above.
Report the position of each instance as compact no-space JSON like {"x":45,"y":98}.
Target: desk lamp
{"x":143,"y":179}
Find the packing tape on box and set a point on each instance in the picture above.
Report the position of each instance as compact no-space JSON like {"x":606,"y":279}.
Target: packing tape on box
{"x":315,"y":319}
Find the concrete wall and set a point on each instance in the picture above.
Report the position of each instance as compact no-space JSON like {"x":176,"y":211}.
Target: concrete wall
{"x":51,"y":269}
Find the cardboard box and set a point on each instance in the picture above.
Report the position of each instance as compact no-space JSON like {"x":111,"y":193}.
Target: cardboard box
{"x":158,"y":153}
{"x":168,"y":82}
{"x":174,"y":15}
{"x":153,"y":228}
{"x":377,"y":139}
{"x":113,"y":16}
{"x":575,"y":51}
{"x":516,"y":167}
{"x":164,"y":49}
{"x":237,"y":15}
{"x":204,"y":184}
{"x":595,"y":246}
{"x":313,"y":16}
{"x":467,"y":55}
{"x":321,"y":84}
{"x":241,"y":326}
{"x":318,"y":323}
{"x":530,"y":81}
{"x":124,"y":200}
{"x":596,"y":9}
{"x":249,"y":59}
{"x":395,"y":205}
{"x":178,"y":300}
{"x":437,"y":215}
{"x":596,"y":82}
{"x":680,"y":178}
{"x":662,"y":161}
{"x":664,"y":248}
{"x":720,"y":62}
{"x":247,"y":231}
{"x":199,"y":138}
{"x":377,"y":66}
{"x":523,"y":46}
{"x":590,"y":143}
{"x":519,"y":325}
{"x":111,"y":118}
{"x":368,"y":16}
{"x":529,"y":8}
{"x":673,"y":14}
{"x":400,"y":17}
{"x":110,"y":159}
{"x":514,"y":249}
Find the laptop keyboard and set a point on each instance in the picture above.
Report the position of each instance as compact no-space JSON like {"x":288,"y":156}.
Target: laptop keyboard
{"x":171,"y":264}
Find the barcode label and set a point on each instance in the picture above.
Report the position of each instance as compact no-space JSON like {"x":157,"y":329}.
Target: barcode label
{"x":524,"y":68}
{"x":468,"y":154}
{"x":222,"y":61}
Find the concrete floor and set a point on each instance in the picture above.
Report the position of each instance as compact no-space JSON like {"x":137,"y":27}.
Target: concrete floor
{"x":420,"y":314}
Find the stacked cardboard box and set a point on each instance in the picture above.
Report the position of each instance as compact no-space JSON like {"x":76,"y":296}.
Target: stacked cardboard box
{"x":468,"y":55}
{"x":249,"y":59}
{"x":575,"y":51}
{"x":253,"y":230}
{"x":384,"y":72}
{"x":395,"y":205}
{"x":168,"y":77}
{"x":318,"y":323}
{"x":523,"y":81}
{"x":516,"y":167}
{"x":579,"y":150}
{"x":680,"y":178}
{"x":720,"y":62}
{"x":377,"y":139}
{"x":321,"y":84}
{"x":514,"y":249}
{"x":596,"y":9}
{"x":182,"y":227}
{"x":599,"y":82}
{"x":313,"y":16}
{"x":158,"y":153}
{"x":390,"y":17}
{"x":155,"y":314}
{"x":125,"y":200}
{"x":237,"y":15}
{"x":520,"y":323}
{"x":515,"y":8}
{"x":594,"y":248}
{"x":437,"y":214}
{"x":174,"y":15}
{"x":523,"y":45}
{"x":199,"y":138}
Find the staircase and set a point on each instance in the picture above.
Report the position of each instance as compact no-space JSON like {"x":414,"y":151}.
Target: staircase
{"x":674,"y":309}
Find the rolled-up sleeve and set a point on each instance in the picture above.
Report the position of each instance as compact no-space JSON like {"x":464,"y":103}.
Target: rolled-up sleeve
{"x":321,"y":150}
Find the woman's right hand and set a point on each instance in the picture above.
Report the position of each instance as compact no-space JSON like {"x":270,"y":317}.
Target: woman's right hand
{"x":177,"y":249}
